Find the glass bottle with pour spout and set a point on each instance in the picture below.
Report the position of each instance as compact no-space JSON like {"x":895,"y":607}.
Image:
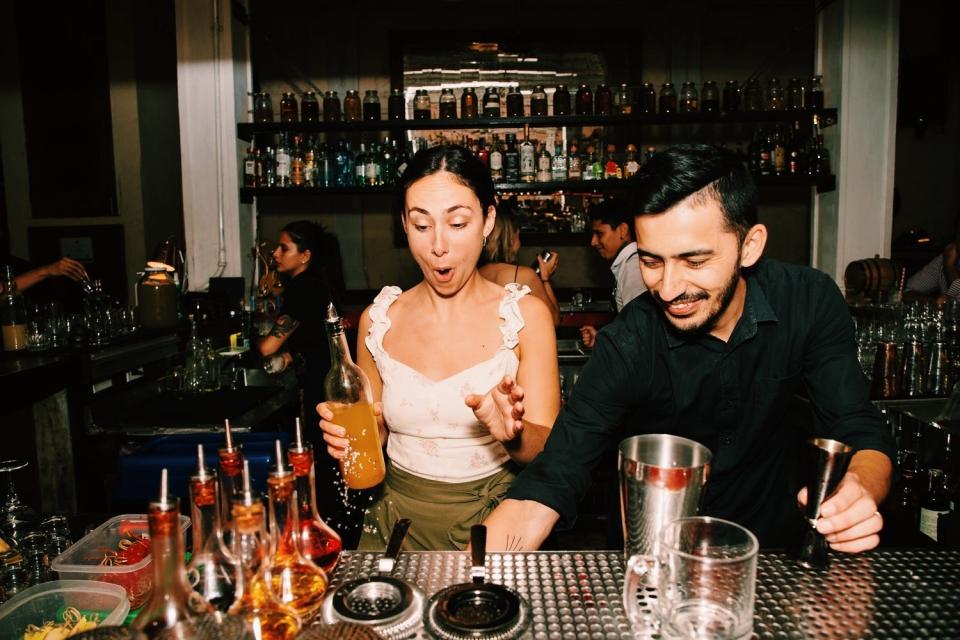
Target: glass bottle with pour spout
{"x":318,"y":542}
{"x":172,"y":601}
{"x":231,"y":468}
{"x":348,"y":394}
{"x":255,"y":599}
{"x":296,"y":581}
{"x":212,"y":568}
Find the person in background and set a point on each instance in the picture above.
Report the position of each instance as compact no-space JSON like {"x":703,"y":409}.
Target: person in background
{"x":715,"y":353}
{"x":308,"y":260}
{"x":66,"y":267}
{"x":939,"y":280}
{"x":449,"y":361}
{"x":612,"y":228}
{"x":498,"y":261}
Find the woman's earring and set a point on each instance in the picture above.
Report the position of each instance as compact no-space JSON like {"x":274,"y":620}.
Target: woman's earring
{"x":484,"y":243}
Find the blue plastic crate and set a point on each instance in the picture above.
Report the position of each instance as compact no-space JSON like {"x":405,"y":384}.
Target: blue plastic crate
{"x":139,"y":473}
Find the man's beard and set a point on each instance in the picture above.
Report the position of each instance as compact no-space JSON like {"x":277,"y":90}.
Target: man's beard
{"x":713,"y":316}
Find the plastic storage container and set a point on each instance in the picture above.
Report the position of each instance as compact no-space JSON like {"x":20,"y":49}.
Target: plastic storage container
{"x":82,"y":561}
{"x":48,"y":601}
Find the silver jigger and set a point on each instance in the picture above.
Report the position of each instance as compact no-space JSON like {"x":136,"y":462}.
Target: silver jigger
{"x":825,"y":471}
{"x":912,"y":383}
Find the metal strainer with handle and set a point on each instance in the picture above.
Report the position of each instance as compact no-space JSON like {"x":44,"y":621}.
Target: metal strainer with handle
{"x":392,"y":607}
{"x":477,"y":609}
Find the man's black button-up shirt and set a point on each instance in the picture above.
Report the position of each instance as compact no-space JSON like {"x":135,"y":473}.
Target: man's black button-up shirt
{"x":795,"y":336}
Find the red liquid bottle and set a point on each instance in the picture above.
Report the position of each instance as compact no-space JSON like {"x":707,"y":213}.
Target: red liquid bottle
{"x":318,"y":542}
{"x":231,"y":467}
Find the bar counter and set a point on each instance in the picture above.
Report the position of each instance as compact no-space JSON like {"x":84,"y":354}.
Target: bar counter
{"x":886,"y":593}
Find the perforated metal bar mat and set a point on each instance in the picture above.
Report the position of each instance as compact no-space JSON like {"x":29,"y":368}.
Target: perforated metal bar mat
{"x":911,"y":593}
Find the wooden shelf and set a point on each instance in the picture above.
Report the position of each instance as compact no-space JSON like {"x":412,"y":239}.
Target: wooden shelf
{"x":246,"y":130}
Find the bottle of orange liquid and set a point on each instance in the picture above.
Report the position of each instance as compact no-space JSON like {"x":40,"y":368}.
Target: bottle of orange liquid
{"x":348,"y":394}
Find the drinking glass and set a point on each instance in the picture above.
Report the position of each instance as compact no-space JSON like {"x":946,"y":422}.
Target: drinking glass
{"x":16,"y":518}
{"x":38,"y":339}
{"x":706,"y":583}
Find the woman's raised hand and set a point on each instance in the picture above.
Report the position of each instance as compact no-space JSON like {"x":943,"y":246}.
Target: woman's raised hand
{"x":336,"y":436}
{"x":500,"y":410}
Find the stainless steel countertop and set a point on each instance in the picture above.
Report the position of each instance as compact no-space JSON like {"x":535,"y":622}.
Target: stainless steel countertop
{"x":886,"y":593}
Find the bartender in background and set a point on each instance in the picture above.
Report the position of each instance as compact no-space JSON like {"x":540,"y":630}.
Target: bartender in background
{"x":67,"y":267}
{"x":939,"y":280}
{"x":612,"y":226}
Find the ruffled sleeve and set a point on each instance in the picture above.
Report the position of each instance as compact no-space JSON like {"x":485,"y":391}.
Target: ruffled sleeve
{"x":379,"y":322}
{"x":510,"y":312}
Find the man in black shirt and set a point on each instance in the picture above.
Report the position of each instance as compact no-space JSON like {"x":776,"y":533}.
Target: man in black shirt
{"x":714,"y":351}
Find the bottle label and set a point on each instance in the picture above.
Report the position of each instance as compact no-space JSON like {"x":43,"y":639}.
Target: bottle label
{"x":526,"y":161}
{"x":249,"y":167}
{"x":928,"y":522}
{"x":283,"y":165}
{"x":496,"y":161}
{"x":370,"y":169}
{"x":543,"y":163}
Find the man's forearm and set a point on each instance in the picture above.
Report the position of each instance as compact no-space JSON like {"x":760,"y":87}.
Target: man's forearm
{"x":519,"y":525}
{"x":874,"y":470}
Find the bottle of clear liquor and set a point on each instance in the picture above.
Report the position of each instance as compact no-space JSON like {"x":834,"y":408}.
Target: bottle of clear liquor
{"x":544,"y":164}
{"x":528,"y":161}
{"x":496,"y":160}
{"x":558,"y":168}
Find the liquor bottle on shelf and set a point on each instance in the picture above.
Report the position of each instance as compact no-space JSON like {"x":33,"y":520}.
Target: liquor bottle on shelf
{"x":483,"y":153}
{"x":611,"y":168}
{"x":764,"y":150}
{"x":283,"y":161}
{"x":603,"y":100}
{"x":268,"y":163}
{"x":710,"y":97}
{"x":574,"y":164}
{"x":514,"y":102}
{"x":388,"y":170}
{"x":491,"y":103}
{"x":814,"y":97}
{"x":528,"y":161}
{"x":544,"y":164}
{"x":172,"y":602}
{"x":753,"y":96}
{"x":288,"y":108}
{"x":309,"y":107}
{"x":935,"y":503}
{"x":348,"y":395}
{"x":589,"y":165}
{"x":421,"y":105}
{"x":331,"y":107}
{"x":448,"y":105}
{"x":212,"y":569}
{"x":538,"y":101}
{"x":496,"y":160}
{"x":631,"y":165}
{"x":250,"y":168}
{"x":689,"y":100}
{"x":359,"y":167}
{"x":795,"y":95}
{"x":561,"y":101}
{"x":396,"y":105}
{"x":649,"y":155}
{"x":371,"y":166}
{"x":775,"y":98}
{"x":558,"y":166}
{"x":297,"y":582}
{"x":352,"y":106}
{"x":318,"y":542}
{"x":468,"y":103}
{"x":256,"y":600}
{"x":342,"y":165}
{"x":324,"y":173}
{"x":778,"y":153}
{"x":622,"y":102}
{"x":371,"y":105}
{"x":648,"y":98}
{"x":584,"y":101}
{"x":796,"y":152}
{"x":668,"y":98}
{"x":297,"y":177}
{"x":731,"y":97}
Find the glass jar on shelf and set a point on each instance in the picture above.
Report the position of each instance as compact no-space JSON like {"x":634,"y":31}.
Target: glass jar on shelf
{"x":468,"y":103}
{"x":603,"y":100}
{"x":584,"y":100}
{"x":795,"y":91}
{"x":514,"y":102}
{"x":157,"y":297}
{"x":538,"y":101}
{"x":689,"y":99}
{"x":710,"y":97}
{"x":775,"y":97}
{"x":371,"y":105}
{"x":288,"y":107}
{"x":622,"y":100}
{"x":396,"y":105}
{"x":814,"y":97}
{"x":668,"y":98}
{"x":753,"y":96}
{"x":561,"y":101}
{"x":309,"y":107}
{"x":648,"y":98}
{"x":421,"y":105}
{"x":262,"y":108}
{"x":731,"y":97}
{"x":351,"y":106}
{"x":491,"y":103}
{"x":448,"y":105}
{"x":331,"y":107}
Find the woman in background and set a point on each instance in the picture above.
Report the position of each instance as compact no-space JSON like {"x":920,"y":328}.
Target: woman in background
{"x":498,"y":261}
{"x":449,"y":361}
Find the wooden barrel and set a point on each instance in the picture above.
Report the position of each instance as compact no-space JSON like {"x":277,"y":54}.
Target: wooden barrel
{"x":874,"y":277}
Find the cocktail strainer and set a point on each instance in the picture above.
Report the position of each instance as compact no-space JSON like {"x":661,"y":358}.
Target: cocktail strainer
{"x":392,"y":607}
{"x":478,"y":609}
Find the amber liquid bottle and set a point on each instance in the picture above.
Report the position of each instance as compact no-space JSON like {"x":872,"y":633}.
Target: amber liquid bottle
{"x":212,"y":569}
{"x":255,"y":601}
{"x":348,"y":394}
{"x":296,"y":581}
{"x":172,"y":601}
{"x":231,"y":468}
{"x":318,"y":542}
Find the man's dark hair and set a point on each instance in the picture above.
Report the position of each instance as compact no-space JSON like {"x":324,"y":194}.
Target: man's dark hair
{"x":613,"y":212}
{"x":682,"y":170}
{"x":456,"y":160}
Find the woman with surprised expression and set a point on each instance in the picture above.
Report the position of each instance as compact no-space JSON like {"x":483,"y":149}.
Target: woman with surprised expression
{"x":450,"y":360}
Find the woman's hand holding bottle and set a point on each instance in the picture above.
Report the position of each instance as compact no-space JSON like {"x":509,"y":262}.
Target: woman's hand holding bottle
{"x":500,"y":410}
{"x":336,"y":436}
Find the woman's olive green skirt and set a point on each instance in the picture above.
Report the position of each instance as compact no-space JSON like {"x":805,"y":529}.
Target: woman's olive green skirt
{"x":442,"y":512}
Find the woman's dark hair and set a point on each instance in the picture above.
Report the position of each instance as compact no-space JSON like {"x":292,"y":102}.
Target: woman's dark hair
{"x":613,"y":212}
{"x":325,"y":260}
{"x":455,"y":160}
{"x":499,"y":244}
{"x":682,"y":170}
